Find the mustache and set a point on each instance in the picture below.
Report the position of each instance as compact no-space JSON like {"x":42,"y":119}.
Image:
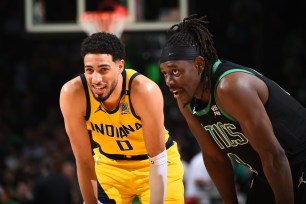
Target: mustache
{"x":171,"y":88}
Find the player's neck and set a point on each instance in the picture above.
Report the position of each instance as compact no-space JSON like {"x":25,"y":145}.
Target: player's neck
{"x":203,"y":92}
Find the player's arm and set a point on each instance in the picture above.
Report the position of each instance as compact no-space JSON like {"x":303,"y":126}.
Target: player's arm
{"x":72,"y":104}
{"x":243,"y":96}
{"x":147,"y":101}
{"x":214,"y":159}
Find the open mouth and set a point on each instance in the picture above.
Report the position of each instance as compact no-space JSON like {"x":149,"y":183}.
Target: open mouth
{"x":98,"y":89}
{"x":176,"y":92}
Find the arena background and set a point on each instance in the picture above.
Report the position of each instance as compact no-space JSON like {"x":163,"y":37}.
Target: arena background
{"x":266,"y":35}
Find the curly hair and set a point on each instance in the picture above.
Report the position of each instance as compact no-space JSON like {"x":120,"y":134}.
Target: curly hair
{"x":103,"y":43}
{"x":192,"y":32}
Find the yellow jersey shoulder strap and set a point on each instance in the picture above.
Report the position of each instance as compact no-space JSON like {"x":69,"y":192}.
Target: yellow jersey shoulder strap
{"x":88,"y":109}
{"x":128,"y":76}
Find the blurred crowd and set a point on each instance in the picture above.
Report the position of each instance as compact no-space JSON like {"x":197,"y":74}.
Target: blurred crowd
{"x":36,"y":161}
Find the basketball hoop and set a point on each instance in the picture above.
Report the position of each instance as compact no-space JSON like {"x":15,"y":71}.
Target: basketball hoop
{"x":103,"y":21}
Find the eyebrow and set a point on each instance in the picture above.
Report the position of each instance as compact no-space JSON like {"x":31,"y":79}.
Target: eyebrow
{"x":172,"y":65}
{"x":99,"y":66}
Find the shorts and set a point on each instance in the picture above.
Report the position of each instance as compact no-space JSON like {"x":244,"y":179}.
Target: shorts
{"x":299,"y":183}
{"x":261,"y":192}
{"x":120,"y":181}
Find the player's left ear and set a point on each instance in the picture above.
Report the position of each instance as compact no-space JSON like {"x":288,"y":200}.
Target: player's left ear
{"x":199,"y":63}
{"x":121,"y":65}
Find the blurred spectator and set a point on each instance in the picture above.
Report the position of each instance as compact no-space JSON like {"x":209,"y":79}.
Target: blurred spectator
{"x":200,"y":189}
{"x":199,"y":186}
{"x":24,"y":193}
{"x":69,"y":170}
{"x":52,"y":186}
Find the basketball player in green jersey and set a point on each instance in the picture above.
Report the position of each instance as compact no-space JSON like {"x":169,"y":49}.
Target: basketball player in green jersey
{"x":115,"y":122}
{"x":236,"y":112}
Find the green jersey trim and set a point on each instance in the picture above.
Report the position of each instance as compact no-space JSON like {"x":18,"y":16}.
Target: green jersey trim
{"x":219,"y":79}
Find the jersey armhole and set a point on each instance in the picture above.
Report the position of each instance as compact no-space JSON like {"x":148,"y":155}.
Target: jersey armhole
{"x":84,"y":82}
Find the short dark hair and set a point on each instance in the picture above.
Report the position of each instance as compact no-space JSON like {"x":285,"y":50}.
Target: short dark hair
{"x":103,"y":43}
{"x":193,"y":32}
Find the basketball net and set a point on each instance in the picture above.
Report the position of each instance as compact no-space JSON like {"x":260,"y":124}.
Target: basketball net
{"x":103,"y":21}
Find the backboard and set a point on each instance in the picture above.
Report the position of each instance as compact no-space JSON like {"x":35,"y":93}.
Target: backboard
{"x":47,"y":16}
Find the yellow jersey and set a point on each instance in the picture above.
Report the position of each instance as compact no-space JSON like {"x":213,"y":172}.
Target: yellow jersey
{"x":116,"y":132}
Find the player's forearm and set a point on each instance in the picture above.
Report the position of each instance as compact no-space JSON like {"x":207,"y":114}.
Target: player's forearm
{"x":279,"y":177}
{"x":158,"y":178}
{"x":88,"y":183}
{"x":88,"y":195}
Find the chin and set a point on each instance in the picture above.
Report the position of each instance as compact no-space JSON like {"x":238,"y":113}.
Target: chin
{"x":99,"y":98}
{"x":184,"y":102}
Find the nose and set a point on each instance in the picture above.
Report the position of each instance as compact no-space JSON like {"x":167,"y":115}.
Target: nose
{"x":96,"y":78}
{"x":169,"y":80}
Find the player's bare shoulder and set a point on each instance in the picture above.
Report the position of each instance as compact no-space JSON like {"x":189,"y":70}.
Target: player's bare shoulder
{"x":142,"y":85}
{"x":72,"y":93}
{"x":72,"y":87}
{"x":146,"y":93}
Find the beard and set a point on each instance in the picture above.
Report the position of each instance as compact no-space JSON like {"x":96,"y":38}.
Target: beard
{"x":102,"y":98}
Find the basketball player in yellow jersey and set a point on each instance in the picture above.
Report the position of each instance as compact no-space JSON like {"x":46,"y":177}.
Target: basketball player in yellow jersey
{"x":117,"y":115}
